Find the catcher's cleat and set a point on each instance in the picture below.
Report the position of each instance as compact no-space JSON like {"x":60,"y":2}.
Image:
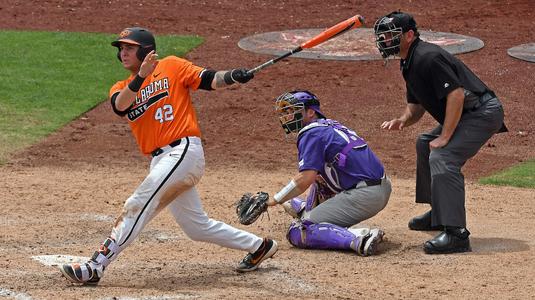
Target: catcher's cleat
{"x":369,"y":243}
{"x":80,"y":273}
{"x":252,"y":260}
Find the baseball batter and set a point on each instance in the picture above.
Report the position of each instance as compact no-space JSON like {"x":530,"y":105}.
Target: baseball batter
{"x":155,"y":99}
{"x":347,"y":181}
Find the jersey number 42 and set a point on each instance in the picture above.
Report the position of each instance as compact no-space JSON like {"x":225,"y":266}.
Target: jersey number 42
{"x":164,"y":113}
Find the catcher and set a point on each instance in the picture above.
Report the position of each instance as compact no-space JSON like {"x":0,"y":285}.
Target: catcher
{"x":347,"y":182}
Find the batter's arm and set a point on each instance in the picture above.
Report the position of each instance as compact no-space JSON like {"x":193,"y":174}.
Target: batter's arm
{"x":226,"y":78}
{"x":127,"y":95}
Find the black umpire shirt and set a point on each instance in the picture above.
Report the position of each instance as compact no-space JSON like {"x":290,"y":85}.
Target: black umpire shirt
{"x":431,"y":73}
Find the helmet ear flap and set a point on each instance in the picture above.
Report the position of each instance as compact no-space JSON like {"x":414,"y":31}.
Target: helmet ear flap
{"x":143,"y":51}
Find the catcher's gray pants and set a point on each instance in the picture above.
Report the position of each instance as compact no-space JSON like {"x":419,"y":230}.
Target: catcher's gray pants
{"x":439,"y":180}
{"x":352,"y":206}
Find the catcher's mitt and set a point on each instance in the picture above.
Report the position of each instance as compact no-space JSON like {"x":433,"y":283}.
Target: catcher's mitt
{"x":250,"y":207}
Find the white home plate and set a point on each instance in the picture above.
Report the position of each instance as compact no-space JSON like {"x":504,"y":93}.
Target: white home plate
{"x":59,"y":259}
{"x":11,"y":294}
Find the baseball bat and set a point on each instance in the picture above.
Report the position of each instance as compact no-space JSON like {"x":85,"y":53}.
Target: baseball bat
{"x":336,"y":30}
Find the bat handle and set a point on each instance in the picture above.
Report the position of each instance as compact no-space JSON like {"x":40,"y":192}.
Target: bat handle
{"x":270,"y":62}
{"x":260,"y":67}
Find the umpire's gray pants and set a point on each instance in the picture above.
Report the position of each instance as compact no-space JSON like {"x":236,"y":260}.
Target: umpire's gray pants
{"x":352,"y":206}
{"x":439,"y":180}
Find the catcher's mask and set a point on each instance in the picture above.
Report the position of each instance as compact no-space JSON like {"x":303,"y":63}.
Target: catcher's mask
{"x":291,"y":108}
{"x":388,"y":31}
{"x":136,"y":36}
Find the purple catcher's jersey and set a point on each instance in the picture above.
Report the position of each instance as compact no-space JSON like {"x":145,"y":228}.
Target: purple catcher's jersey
{"x":321,"y":144}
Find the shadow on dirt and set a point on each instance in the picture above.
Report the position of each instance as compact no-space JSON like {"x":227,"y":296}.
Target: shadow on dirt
{"x":488,"y":246}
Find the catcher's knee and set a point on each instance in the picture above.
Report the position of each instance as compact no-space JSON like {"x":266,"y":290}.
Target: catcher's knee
{"x":296,"y":234}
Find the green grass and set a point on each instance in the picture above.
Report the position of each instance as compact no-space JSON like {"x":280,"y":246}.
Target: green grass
{"x":50,"y":78}
{"x":522,"y":175}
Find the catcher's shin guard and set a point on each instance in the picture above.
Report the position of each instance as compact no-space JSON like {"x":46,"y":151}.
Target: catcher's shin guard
{"x":329,"y":236}
{"x":306,"y":234}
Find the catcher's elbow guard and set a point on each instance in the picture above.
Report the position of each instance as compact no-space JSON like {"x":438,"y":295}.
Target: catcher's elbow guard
{"x":278,"y":197}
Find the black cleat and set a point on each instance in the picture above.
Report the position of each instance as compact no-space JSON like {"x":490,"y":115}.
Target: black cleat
{"x":423,"y":223}
{"x":450,"y":241}
{"x":252,"y":260}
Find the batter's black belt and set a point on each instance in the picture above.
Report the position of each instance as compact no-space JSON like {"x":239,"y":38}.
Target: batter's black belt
{"x":159,"y":151}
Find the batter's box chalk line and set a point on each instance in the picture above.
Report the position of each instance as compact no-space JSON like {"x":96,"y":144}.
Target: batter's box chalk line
{"x":163,"y":297}
{"x":59,"y":259}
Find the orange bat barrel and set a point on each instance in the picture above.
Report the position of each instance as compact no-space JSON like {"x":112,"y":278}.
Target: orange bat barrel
{"x":351,"y":23}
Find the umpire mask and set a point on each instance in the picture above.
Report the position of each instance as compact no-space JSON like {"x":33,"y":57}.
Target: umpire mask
{"x":389,"y":29}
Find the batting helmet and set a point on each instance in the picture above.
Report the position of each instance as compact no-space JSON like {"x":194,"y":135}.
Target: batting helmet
{"x":291,"y":107}
{"x":136,"y":36}
{"x":388,"y":31}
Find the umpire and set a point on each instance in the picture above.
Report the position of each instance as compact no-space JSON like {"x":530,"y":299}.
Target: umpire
{"x":468,"y":113}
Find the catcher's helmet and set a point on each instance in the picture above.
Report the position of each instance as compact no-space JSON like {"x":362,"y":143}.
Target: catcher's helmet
{"x":291,"y":107}
{"x":388,"y":30}
{"x":136,"y":36}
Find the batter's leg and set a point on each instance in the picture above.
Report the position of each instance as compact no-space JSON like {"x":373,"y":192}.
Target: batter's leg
{"x":171,"y":173}
{"x":189,"y":214}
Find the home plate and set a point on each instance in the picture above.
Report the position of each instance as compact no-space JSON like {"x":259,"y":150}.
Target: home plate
{"x":59,"y":259}
{"x":11,"y":294}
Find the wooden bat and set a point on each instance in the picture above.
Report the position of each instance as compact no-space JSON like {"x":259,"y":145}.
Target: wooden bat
{"x":351,"y":23}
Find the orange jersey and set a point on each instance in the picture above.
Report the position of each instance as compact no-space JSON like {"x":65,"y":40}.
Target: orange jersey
{"x":163,"y":111}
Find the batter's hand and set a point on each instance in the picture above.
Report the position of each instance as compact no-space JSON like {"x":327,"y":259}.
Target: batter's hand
{"x":241,"y":75}
{"x":149,"y":64}
{"x":394,"y":124}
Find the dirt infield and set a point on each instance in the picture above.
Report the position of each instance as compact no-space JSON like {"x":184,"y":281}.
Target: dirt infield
{"x":61,"y":196}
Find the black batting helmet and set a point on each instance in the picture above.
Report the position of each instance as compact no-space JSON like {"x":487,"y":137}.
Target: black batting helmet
{"x":136,"y":36}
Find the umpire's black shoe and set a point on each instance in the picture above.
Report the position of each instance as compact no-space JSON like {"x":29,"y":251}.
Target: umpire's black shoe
{"x":452,"y":240}
{"x":252,"y":260}
{"x":423,"y":223}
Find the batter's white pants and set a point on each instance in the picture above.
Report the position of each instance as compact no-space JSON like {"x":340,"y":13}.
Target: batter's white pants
{"x":171,"y":182}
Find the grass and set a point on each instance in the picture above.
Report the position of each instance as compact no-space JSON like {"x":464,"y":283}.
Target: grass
{"x":50,"y":78}
{"x":522,"y":175}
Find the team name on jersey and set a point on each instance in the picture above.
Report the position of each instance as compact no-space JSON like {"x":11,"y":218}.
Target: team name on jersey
{"x":151,"y":89}
{"x":149,"y":95}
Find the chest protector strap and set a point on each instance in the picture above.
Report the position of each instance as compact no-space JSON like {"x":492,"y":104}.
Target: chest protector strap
{"x":355,"y":141}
